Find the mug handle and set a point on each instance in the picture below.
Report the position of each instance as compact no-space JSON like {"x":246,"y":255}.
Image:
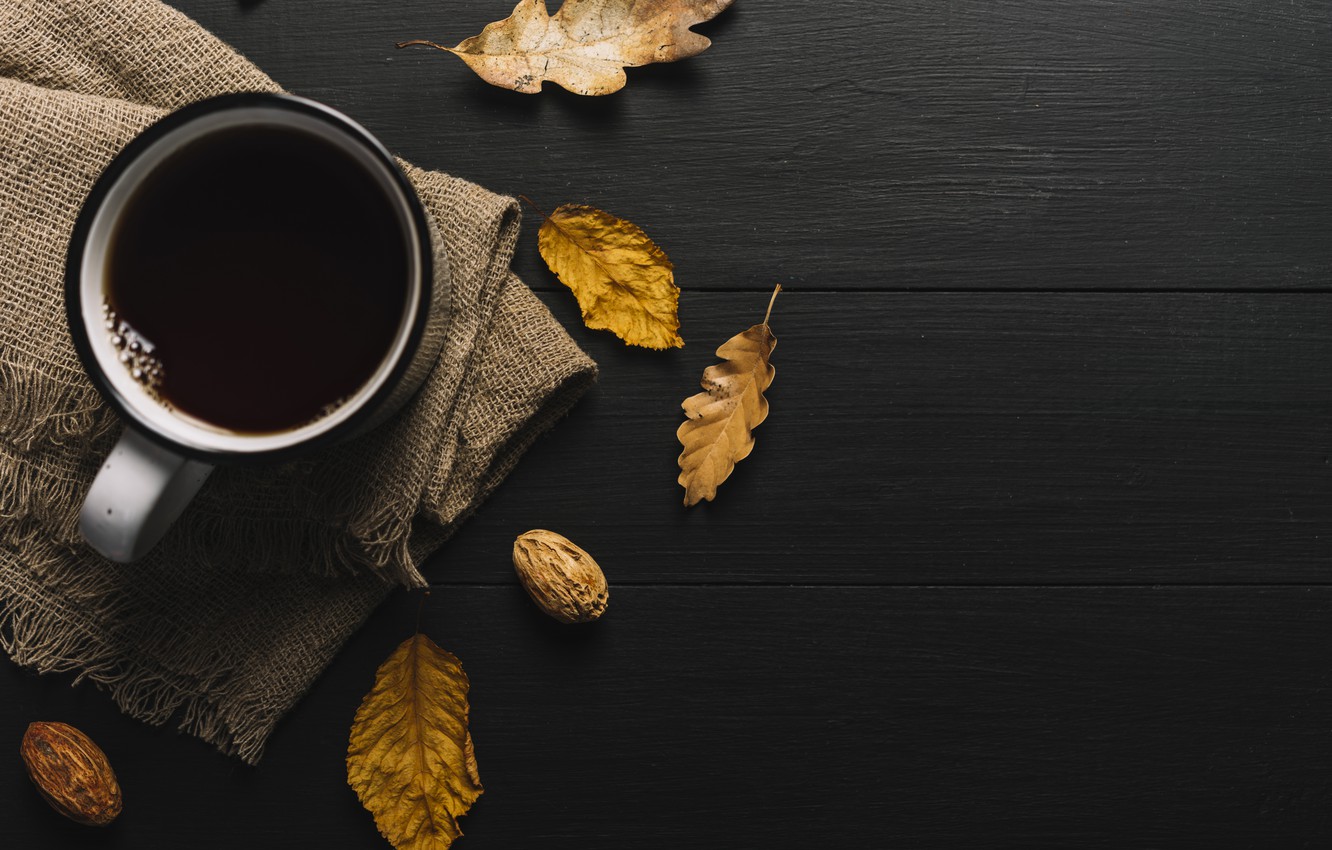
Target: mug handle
{"x":138,"y":493}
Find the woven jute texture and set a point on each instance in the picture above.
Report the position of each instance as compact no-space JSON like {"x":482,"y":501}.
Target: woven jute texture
{"x":227,"y":622}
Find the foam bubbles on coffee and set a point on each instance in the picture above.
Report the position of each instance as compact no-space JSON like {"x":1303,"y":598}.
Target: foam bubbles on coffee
{"x":133,"y":351}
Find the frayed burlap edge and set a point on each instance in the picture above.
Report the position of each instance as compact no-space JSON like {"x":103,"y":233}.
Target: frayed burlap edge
{"x":58,"y":629}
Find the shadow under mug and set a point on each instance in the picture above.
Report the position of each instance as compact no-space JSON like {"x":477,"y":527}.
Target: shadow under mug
{"x":162,"y":458}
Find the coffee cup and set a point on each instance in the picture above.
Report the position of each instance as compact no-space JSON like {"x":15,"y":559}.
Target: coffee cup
{"x":252,"y":278}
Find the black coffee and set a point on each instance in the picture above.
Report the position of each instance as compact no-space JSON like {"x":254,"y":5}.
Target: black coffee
{"x":257,"y":279}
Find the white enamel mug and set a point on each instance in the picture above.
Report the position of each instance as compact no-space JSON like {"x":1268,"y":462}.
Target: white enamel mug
{"x":163,"y":458}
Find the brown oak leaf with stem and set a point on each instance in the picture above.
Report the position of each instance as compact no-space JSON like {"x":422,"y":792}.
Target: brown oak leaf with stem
{"x":719,"y":430}
{"x":586,"y":45}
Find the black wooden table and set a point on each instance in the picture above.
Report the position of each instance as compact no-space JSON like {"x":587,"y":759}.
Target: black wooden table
{"x":1034,"y":549}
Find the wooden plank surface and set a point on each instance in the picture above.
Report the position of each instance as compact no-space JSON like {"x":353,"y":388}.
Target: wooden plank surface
{"x":717,"y":718}
{"x":955,"y":438}
{"x":1035,"y":546}
{"x":854,"y":145}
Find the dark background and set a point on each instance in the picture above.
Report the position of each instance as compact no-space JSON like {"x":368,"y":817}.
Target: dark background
{"x":1034,"y":549}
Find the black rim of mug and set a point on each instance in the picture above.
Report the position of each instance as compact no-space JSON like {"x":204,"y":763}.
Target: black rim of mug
{"x":74,"y":307}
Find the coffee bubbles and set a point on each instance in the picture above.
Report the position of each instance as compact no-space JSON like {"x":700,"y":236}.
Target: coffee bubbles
{"x":134,"y":352}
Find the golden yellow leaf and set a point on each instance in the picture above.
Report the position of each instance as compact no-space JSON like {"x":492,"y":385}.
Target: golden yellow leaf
{"x":586,"y":45}
{"x":410,"y":757}
{"x":624,"y":283}
{"x":718,"y":432}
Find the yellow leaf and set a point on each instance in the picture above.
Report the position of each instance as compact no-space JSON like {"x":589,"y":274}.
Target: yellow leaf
{"x":586,"y":45}
{"x":410,"y":757}
{"x":624,"y":283}
{"x":719,"y":431}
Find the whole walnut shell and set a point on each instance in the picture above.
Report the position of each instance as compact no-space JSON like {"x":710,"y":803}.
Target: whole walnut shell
{"x":562,"y":579}
{"x":71,"y":772}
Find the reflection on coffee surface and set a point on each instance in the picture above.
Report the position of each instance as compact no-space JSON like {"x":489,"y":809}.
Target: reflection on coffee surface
{"x":257,"y":279}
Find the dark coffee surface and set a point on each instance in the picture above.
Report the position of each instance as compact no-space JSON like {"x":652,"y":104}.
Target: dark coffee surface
{"x":266,"y":273}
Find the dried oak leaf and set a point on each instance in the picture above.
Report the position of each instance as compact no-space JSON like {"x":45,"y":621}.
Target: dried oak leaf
{"x":624,"y":283}
{"x":410,"y":757}
{"x":719,"y":431}
{"x":586,"y":45}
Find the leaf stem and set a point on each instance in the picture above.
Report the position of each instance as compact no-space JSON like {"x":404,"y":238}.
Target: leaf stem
{"x":531,"y":203}
{"x":419,"y":607}
{"x":770,"y":303}
{"x":423,"y":42}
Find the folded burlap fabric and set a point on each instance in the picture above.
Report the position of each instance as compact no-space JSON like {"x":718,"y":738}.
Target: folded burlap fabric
{"x":270,"y":570}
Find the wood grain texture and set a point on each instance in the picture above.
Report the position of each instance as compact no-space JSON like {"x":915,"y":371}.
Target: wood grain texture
{"x":954,"y":438}
{"x":717,"y":718}
{"x":962,"y":144}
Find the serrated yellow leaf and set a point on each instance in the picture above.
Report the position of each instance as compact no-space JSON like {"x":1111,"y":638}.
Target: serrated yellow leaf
{"x":586,"y":45}
{"x":624,"y":283}
{"x":718,"y":432}
{"x":410,"y":757}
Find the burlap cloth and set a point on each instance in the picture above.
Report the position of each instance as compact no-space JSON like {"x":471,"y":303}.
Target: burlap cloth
{"x":270,"y":570}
